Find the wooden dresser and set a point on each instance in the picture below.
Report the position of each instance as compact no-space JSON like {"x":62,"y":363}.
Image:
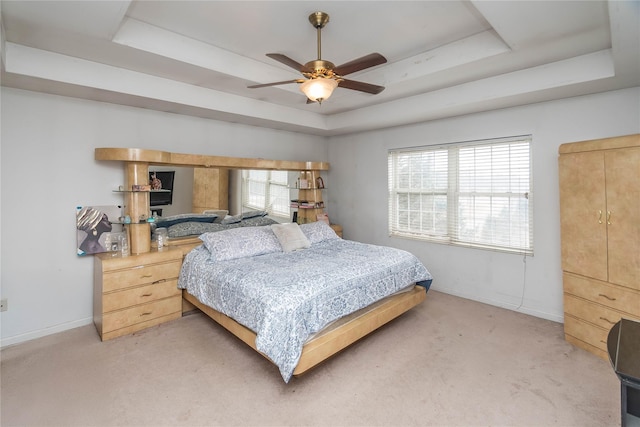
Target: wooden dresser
{"x":135,"y":292}
{"x":600,"y":234}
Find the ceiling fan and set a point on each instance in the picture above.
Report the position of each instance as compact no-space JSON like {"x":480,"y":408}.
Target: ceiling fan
{"x":322,"y":77}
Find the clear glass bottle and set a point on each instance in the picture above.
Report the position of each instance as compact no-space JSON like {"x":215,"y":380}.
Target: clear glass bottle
{"x":124,"y":245}
{"x":161,"y":237}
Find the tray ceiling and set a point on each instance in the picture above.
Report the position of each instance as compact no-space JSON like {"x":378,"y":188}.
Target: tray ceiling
{"x":445,"y":58}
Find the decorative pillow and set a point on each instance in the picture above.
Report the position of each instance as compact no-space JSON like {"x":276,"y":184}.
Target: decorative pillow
{"x":241,"y":242}
{"x":232,"y":219}
{"x":221,"y":213}
{"x":168,"y":221}
{"x":253,"y":214}
{"x":290,"y":236}
{"x":193,"y":229}
{"x":318,"y":231}
{"x":257,"y":221}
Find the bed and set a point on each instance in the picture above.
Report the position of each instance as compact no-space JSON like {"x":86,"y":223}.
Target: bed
{"x":299,"y":294}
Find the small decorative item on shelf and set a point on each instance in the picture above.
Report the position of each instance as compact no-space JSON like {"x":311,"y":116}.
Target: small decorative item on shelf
{"x":303,"y":184}
{"x":319,"y":182}
{"x":156,"y":184}
{"x":140,"y":187}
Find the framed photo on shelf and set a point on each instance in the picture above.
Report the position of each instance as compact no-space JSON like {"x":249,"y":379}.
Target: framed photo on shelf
{"x":319,"y":182}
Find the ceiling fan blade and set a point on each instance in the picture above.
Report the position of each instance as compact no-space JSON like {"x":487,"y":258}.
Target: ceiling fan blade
{"x":362,"y":87}
{"x":272,"y":84}
{"x":368,"y":61}
{"x":288,"y":61}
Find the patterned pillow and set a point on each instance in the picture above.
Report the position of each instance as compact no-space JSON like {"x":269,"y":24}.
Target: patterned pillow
{"x":241,"y":242}
{"x":253,"y":214}
{"x":290,"y":236}
{"x":194,"y":229}
{"x":318,"y":231}
{"x":168,"y":221}
{"x":232,"y":219}
{"x":257,"y":221}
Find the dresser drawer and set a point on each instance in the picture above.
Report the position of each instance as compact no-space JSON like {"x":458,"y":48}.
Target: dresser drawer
{"x":140,"y":295}
{"x":140,"y":275}
{"x":141,"y":313}
{"x":592,"y":335}
{"x":593,"y":313}
{"x":613,"y":296}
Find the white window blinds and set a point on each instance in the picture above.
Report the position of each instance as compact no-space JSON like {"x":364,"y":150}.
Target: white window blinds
{"x":473,"y":194}
{"x":266,"y":190}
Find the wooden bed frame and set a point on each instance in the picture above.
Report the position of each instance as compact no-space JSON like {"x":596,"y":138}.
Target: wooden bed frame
{"x":337,"y":336}
{"x":327,"y":342}
{"x":343,"y":333}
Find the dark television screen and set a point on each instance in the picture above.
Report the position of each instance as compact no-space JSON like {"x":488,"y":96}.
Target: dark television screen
{"x":161,"y":198}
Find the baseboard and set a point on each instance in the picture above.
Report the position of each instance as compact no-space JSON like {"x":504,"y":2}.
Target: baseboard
{"x":17,"y":339}
{"x":554,"y":317}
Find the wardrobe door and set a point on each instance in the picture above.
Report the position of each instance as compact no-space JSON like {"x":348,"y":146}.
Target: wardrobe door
{"x":583,"y":214}
{"x":623,"y":216}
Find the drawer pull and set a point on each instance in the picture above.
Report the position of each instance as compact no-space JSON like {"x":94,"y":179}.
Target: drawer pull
{"x":607,"y":297}
{"x":599,"y":217}
{"x":607,"y":320}
{"x":146,"y":313}
{"x":146,"y":276}
{"x":147,"y":295}
{"x":158,"y":281}
{"x":608,"y":217}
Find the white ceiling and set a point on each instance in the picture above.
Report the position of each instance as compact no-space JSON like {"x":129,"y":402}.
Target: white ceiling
{"x":445,"y":58}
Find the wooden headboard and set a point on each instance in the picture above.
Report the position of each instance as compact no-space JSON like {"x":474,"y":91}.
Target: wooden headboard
{"x":136,"y":166}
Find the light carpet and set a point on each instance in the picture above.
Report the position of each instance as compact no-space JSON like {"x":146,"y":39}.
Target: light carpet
{"x":447,"y":362}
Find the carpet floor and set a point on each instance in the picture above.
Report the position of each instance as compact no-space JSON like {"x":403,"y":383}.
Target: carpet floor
{"x":448,"y":362}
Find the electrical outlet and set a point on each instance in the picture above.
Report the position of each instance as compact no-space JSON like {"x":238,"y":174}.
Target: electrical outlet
{"x":4,"y":304}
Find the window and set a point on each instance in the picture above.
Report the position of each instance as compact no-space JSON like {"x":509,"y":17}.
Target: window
{"x":266,"y":190}
{"x":472,"y":194}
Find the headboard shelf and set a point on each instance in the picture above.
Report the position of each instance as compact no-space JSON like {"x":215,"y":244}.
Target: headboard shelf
{"x":156,"y":157}
{"x":214,"y":179}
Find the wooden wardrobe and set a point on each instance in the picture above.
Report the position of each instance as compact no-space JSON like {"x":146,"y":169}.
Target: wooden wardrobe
{"x":600,"y":234}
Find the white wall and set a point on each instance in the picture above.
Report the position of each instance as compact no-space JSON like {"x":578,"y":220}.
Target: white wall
{"x":48,"y":169}
{"x":359,"y":203}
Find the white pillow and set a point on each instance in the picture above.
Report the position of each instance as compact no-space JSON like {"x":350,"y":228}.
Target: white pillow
{"x":290,"y":236}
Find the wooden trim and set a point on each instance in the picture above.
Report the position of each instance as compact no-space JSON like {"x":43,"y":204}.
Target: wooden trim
{"x":335,"y":338}
{"x":601,"y":144}
{"x":156,"y":157}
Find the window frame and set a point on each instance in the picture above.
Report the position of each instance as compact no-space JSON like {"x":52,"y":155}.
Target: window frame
{"x":519,"y":204}
{"x":270,"y":186}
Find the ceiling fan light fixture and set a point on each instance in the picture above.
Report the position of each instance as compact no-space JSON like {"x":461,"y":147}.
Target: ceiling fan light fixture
{"x":318,"y":89}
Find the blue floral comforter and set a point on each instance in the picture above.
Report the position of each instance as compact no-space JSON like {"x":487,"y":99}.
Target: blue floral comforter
{"x":284,"y":297}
